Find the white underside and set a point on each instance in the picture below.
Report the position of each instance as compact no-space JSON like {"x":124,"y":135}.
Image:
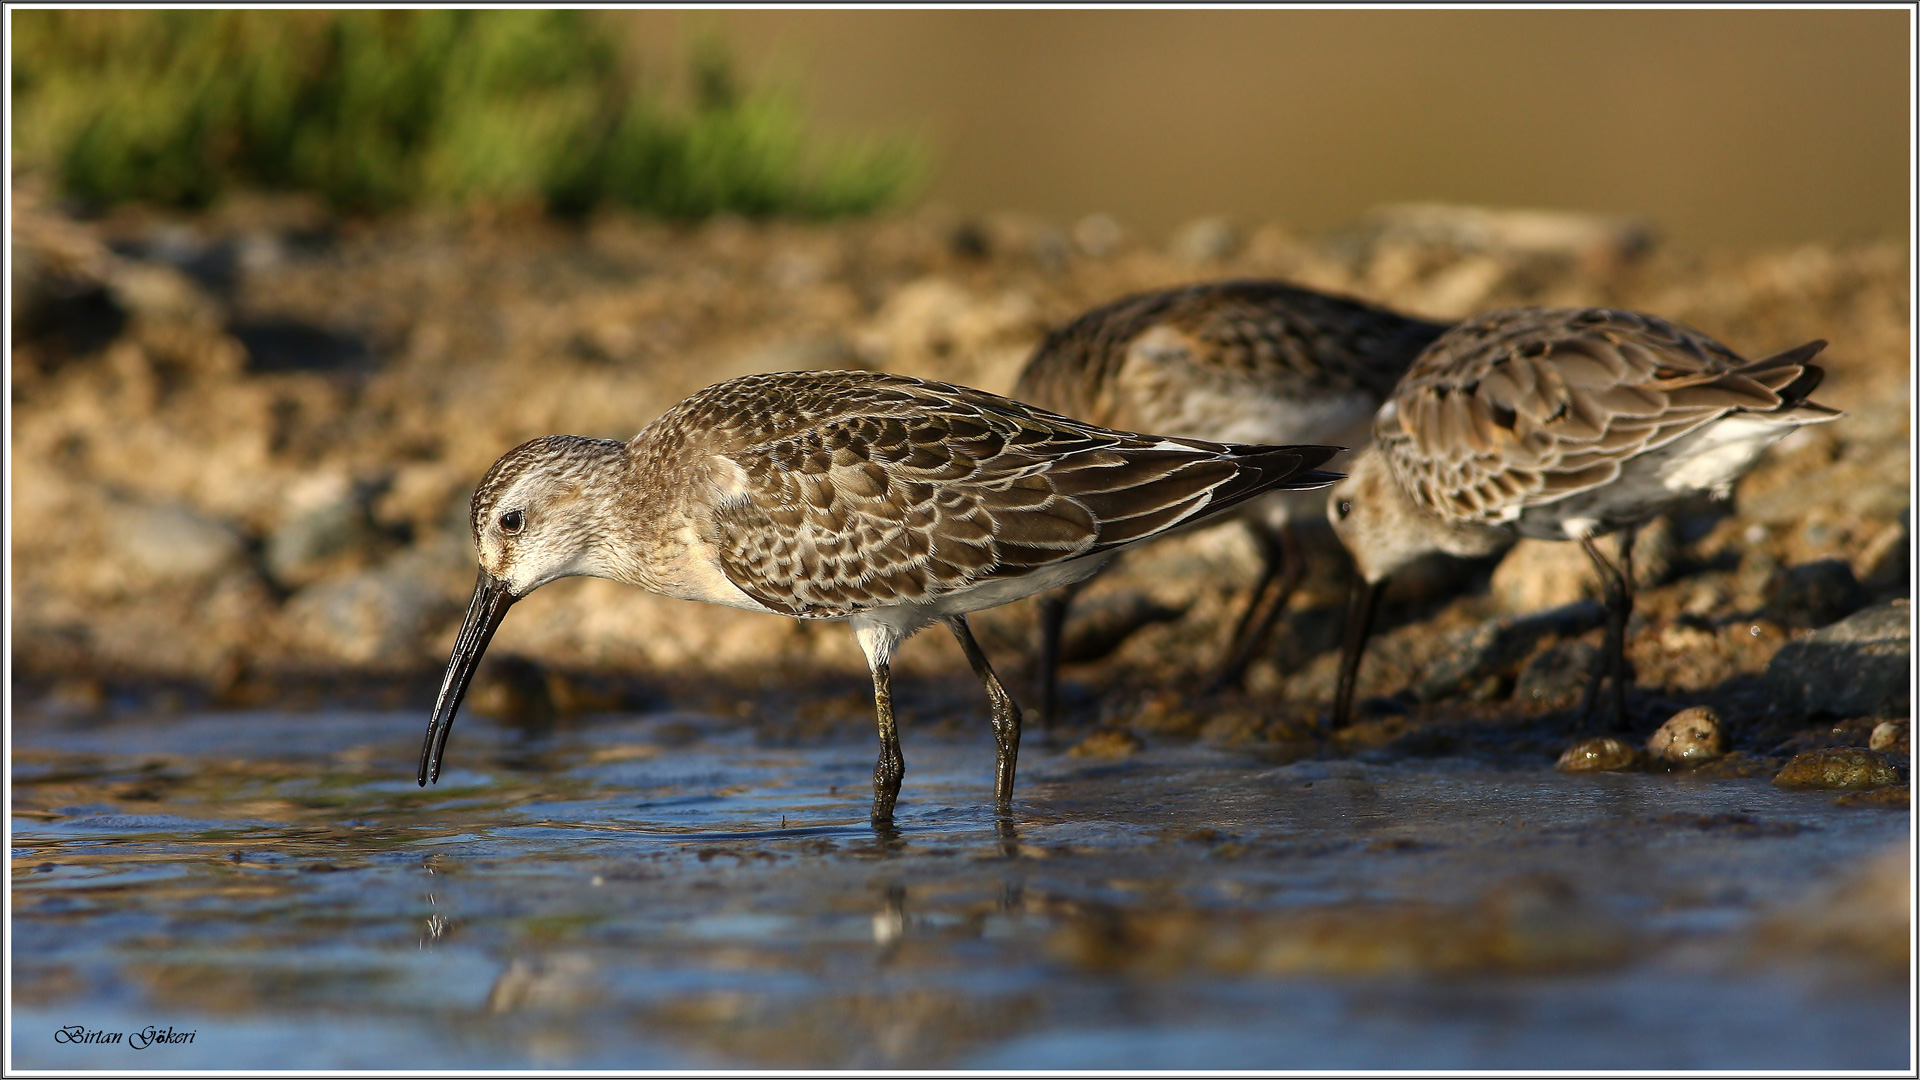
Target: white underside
{"x":1229,"y":412}
{"x":1706,"y":461}
{"x":881,"y":630}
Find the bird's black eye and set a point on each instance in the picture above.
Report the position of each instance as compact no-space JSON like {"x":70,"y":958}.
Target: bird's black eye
{"x":1344,"y":509}
{"x":511,"y":521}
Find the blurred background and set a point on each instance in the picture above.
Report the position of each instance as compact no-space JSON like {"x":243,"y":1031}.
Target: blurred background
{"x":1743,"y":127}
{"x":1720,"y":126}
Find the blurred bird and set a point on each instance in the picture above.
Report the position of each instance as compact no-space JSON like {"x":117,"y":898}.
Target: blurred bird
{"x":1559,"y":424}
{"x":882,"y":501}
{"x":1231,"y":361}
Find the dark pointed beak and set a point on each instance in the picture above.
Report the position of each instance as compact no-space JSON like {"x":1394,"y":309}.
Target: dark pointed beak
{"x":491,"y":599}
{"x":1362,"y":601}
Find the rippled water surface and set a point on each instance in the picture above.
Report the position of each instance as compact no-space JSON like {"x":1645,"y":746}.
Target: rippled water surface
{"x":669,"y":891}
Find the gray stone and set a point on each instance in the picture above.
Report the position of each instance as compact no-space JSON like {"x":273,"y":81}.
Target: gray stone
{"x":1500,"y":643}
{"x":171,"y":541}
{"x":1815,"y":594}
{"x":378,"y":617}
{"x":329,"y":521}
{"x":1855,"y":667}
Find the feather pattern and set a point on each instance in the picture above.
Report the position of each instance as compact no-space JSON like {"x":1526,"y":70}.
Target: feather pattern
{"x":1264,"y":351}
{"x":854,"y":491}
{"x":1517,"y":410}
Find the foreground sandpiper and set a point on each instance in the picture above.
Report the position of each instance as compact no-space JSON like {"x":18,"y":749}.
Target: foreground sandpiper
{"x":883,"y":501}
{"x":1560,"y":424}
{"x":1228,"y":361}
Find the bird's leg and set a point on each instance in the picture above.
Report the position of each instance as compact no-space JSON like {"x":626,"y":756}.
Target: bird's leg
{"x":891,"y":767}
{"x":1362,"y":602}
{"x":1622,"y":671}
{"x":1610,"y":665}
{"x":1006,"y":714}
{"x":1053,"y":619}
{"x":1280,"y":573}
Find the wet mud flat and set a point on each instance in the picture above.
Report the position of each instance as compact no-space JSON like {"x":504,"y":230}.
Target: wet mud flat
{"x":673,"y":888}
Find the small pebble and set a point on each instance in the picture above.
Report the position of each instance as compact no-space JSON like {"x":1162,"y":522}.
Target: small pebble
{"x":1690,"y":735}
{"x":1109,"y":743}
{"x":1603,"y":753}
{"x":1840,"y":767}
{"x":1891,"y":737}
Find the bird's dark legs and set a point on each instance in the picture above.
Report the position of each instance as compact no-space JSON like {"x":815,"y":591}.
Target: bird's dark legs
{"x":888,"y":771}
{"x":1611,"y":665}
{"x":1362,"y":602}
{"x":1053,"y":617}
{"x":1279,"y":576}
{"x":1006,"y":714}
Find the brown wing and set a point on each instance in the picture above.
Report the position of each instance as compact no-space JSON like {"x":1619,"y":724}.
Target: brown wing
{"x":1269,"y":333}
{"x":1525,"y":406}
{"x":930,"y":489}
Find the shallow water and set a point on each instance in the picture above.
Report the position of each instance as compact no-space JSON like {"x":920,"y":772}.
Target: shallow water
{"x":668,"y":890}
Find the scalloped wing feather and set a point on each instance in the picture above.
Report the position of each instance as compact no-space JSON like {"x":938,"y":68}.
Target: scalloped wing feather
{"x":907,"y":498}
{"x":1526,"y":406}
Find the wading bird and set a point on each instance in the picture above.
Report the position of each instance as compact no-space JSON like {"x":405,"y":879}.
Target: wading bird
{"x":886,"y":502}
{"x":1560,"y":424}
{"x":1226,"y":361}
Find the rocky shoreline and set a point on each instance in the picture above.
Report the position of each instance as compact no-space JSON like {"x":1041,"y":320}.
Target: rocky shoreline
{"x":243,"y":444}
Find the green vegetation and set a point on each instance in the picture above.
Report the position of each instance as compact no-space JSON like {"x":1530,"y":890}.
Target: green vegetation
{"x":377,"y":110}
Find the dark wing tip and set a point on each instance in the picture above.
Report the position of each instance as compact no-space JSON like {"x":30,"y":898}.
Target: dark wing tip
{"x":1274,"y":468}
{"x":1315,"y":478}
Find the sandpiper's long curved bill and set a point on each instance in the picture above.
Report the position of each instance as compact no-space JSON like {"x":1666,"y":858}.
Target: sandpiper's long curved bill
{"x":1362,"y":601}
{"x":491,"y":599}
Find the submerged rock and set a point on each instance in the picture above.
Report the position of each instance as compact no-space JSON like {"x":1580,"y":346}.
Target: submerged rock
{"x":1603,"y":753}
{"x":1839,"y":767}
{"x":1689,"y":736}
{"x":1856,"y":667}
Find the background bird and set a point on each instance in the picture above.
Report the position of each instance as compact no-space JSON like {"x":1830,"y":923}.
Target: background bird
{"x":1560,"y":424}
{"x":883,"y":501}
{"x":1230,"y":361}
